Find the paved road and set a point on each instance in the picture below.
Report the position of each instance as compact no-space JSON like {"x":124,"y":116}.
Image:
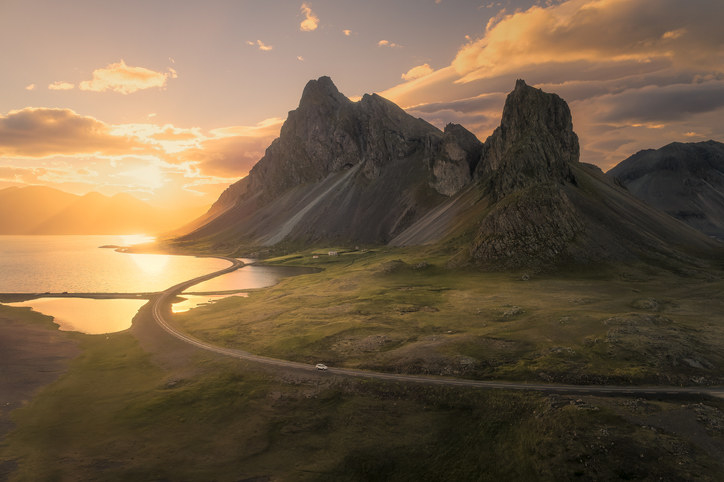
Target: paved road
{"x":161,"y":308}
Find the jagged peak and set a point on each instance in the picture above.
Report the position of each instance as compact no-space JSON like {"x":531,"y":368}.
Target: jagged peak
{"x":535,"y":142}
{"x":527,"y":107}
{"x":520,"y":84}
{"x":321,"y":91}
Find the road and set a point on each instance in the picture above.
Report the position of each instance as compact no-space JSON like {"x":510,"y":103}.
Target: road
{"x":161,"y":307}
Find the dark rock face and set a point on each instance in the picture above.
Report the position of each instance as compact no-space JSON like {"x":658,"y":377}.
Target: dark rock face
{"x":344,"y":171}
{"x":534,"y":143}
{"x":456,"y":159}
{"x":684,"y":180}
{"x":366,"y":172}
{"x":525,"y":163}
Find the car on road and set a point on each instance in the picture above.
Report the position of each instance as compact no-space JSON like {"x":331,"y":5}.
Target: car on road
{"x":320,"y":366}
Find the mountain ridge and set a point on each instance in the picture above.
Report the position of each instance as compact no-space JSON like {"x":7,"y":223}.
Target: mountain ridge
{"x":35,"y":210}
{"x":366,"y":172}
{"x":685,"y":180}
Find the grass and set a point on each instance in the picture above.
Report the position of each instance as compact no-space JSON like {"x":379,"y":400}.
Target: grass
{"x":397,"y":310}
{"x":117,"y":414}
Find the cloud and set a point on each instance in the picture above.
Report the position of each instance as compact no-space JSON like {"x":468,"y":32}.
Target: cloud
{"x":635,"y":74}
{"x":30,"y":87}
{"x":262,"y":46}
{"x":387,"y":43}
{"x":60,"y":85}
{"x":125,"y":79}
{"x":232,"y":151}
{"x":593,"y":31}
{"x":347,"y":32}
{"x":656,"y":105}
{"x":417,"y":72}
{"x":300,"y":58}
{"x":311,"y":21}
{"x":42,"y":132}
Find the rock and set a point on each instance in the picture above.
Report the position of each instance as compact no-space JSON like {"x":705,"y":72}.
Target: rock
{"x":350,"y":173}
{"x":524,"y":163}
{"x":455,"y":160}
{"x":535,"y":143}
{"x":686,"y":180}
{"x":343,"y":171}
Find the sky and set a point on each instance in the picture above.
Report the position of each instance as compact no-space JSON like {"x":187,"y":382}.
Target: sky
{"x":172,"y":101}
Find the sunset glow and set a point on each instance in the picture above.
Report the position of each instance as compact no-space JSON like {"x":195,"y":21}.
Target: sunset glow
{"x":174,"y":109}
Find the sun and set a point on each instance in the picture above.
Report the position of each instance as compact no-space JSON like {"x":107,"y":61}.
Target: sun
{"x":148,"y":177}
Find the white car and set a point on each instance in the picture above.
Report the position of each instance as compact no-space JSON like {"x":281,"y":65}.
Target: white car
{"x":320,"y":366}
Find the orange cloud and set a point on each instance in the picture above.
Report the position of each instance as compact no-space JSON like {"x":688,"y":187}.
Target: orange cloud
{"x":311,"y":21}
{"x":125,"y":79}
{"x":387,"y":43}
{"x":60,"y":85}
{"x":594,"y":31}
{"x":262,"y":46}
{"x":417,"y":72}
{"x":232,"y":151}
{"x":30,"y":87}
{"x":635,"y":74}
{"x":43,"y":132}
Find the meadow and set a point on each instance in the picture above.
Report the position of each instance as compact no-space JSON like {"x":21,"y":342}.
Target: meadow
{"x":135,"y":406}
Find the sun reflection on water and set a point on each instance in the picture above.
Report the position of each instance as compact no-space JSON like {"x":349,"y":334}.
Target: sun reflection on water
{"x":134,"y":239}
{"x":150,"y":264}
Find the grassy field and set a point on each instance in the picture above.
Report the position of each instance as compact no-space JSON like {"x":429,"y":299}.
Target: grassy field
{"x":401,"y":312}
{"x":118,"y":415}
{"x":124,"y":412}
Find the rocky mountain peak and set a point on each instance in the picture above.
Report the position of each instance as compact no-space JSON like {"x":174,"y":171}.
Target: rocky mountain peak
{"x":535,"y":141}
{"x":322,"y":92}
{"x":525,"y":164}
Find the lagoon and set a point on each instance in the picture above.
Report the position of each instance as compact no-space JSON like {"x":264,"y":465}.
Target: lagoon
{"x":77,"y":264}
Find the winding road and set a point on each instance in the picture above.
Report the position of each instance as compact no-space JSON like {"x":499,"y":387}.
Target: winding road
{"x":161,"y":307}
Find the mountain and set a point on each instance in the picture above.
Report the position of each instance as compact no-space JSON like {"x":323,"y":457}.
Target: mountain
{"x":533,"y":204}
{"x":684,"y":180}
{"x":43,"y":210}
{"x":341,"y":171}
{"x":21,"y":208}
{"x":367,"y":172}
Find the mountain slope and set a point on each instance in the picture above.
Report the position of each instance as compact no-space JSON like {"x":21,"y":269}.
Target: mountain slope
{"x":341,"y":171}
{"x":366,"y":172}
{"x":684,"y":180}
{"x":21,"y":208}
{"x":534,"y":205}
{"x":43,"y":210}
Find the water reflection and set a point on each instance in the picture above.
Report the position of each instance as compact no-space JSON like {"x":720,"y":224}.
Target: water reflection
{"x":87,"y":315}
{"x":250,"y":277}
{"x":39,"y":264}
{"x":192,"y":301}
{"x":149,"y":264}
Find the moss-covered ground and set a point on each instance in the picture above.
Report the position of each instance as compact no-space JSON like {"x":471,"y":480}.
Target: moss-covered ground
{"x":402,"y":312}
{"x":121,"y":413}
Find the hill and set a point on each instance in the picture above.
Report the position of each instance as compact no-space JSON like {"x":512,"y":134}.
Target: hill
{"x":686,"y":180}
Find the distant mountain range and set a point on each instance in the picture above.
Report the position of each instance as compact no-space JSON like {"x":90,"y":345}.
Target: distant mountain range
{"x":44,"y":210}
{"x":684,"y":180}
{"x":366,"y":172}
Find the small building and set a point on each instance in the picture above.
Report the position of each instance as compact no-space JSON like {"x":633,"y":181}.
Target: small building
{"x":333,"y":253}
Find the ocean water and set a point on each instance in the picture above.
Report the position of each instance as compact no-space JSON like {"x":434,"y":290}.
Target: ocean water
{"x":77,"y":264}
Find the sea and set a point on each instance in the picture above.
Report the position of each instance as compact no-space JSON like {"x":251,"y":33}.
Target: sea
{"x":92,"y":264}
